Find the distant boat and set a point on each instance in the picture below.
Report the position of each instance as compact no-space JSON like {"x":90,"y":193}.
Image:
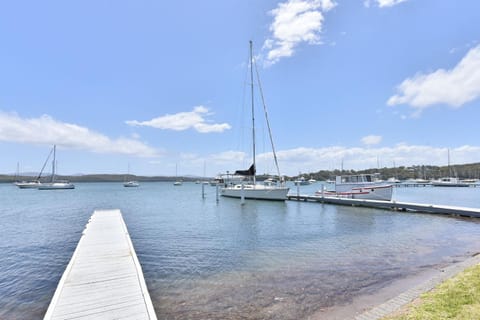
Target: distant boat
{"x":178,"y":182}
{"x":250,"y":189}
{"x":301,"y":182}
{"x":449,"y":181}
{"x":361,"y":186}
{"x":32,"y":184}
{"x":131,"y":183}
{"x":55,"y":184}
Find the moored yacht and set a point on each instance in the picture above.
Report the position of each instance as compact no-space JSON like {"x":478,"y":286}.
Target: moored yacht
{"x":251,"y":189}
{"x":55,"y":184}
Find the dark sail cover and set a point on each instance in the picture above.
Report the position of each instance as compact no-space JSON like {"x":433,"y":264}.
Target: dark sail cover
{"x":249,"y":172}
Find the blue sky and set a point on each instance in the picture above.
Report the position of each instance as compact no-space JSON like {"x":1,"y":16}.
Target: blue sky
{"x":159,"y":84}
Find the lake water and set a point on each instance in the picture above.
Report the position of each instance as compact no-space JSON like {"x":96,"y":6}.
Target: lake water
{"x":220,"y":260}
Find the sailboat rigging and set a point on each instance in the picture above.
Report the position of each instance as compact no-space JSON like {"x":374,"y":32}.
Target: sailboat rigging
{"x":130,"y":183}
{"x":34,"y":184}
{"x":55,"y":184}
{"x":254,"y":190}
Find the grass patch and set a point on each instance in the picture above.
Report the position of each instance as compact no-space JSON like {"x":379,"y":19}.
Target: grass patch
{"x":457,"y":298}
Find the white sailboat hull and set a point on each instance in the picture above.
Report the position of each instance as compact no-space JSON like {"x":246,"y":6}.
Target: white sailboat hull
{"x":131,"y":184}
{"x":56,"y":186}
{"x":259,"y":192}
{"x":28,"y":184}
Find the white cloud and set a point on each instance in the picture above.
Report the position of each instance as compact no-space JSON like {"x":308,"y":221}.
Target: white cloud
{"x":295,"y":22}
{"x":453,"y":87}
{"x":383,"y":3}
{"x":304,"y":159}
{"x":46,"y":130}
{"x":371,"y":140}
{"x":183,"y":120}
{"x":228,"y":157}
{"x":314,"y":159}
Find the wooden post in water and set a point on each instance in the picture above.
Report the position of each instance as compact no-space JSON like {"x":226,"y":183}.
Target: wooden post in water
{"x":242,"y":199}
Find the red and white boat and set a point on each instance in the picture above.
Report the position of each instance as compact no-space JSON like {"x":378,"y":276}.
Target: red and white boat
{"x":361,"y":186}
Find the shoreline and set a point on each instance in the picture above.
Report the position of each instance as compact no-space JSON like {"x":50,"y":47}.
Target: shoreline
{"x":396,"y":295}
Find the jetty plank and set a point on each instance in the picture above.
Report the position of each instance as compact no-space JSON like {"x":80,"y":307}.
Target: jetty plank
{"x":104,"y":279}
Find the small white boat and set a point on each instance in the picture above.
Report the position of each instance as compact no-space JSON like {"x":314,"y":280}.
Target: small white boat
{"x":178,"y":182}
{"x":32,"y":184}
{"x":449,"y":182}
{"x":130,"y":184}
{"x":361,"y":186}
{"x":301,"y":182}
{"x":57,"y":185}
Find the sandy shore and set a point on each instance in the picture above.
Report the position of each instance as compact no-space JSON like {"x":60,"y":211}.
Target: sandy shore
{"x":396,"y":295}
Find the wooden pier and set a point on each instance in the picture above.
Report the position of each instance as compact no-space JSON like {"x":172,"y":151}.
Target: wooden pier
{"x":104,"y":279}
{"x":392,"y":205}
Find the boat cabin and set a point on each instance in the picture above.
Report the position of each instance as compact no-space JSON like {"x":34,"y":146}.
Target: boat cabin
{"x":358,"y":178}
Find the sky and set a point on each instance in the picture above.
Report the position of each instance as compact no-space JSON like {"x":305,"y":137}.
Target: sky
{"x":163,"y":87}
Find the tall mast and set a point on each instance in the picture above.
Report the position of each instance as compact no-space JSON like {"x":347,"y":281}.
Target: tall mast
{"x":253,"y":110}
{"x":53,"y":163}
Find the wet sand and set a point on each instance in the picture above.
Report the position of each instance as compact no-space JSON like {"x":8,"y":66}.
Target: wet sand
{"x":396,"y":295}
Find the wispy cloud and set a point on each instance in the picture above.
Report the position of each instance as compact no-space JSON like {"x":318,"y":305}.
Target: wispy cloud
{"x":383,"y":3}
{"x":295,"y":22}
{"x":184,"y":120}
{"x":371,"y":140}
{"x":46,"y":130}
{"x":453,"y":87}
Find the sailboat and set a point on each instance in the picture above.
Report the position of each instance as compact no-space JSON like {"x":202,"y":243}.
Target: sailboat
{"x":131,"y":183}
{"x":178,"y":182}
{"x":33,"y":184}
{"x":251,"y":189}
{"x":55,"y":184}
{"x":449,"y":181}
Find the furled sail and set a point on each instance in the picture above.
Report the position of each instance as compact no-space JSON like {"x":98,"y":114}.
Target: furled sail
{"x":249,"y":172}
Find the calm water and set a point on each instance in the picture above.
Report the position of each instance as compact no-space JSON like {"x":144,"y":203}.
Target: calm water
{"x":204,"y":259}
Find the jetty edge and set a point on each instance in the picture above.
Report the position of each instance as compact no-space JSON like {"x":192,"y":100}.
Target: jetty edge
{"x":390,"y":205}
{"x":104,"y":279}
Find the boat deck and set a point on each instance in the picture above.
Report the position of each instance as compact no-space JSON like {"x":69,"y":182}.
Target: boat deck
{"x":392,"y":205}
{"x":104,"y":279}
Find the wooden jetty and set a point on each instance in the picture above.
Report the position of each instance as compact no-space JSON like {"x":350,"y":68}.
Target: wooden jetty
{"x":392,"y":205}
{"x":104,"y":279}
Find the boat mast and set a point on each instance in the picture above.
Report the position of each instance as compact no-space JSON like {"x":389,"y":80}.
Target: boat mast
{"x":53,"y":163}
{"x":253,"y":111}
